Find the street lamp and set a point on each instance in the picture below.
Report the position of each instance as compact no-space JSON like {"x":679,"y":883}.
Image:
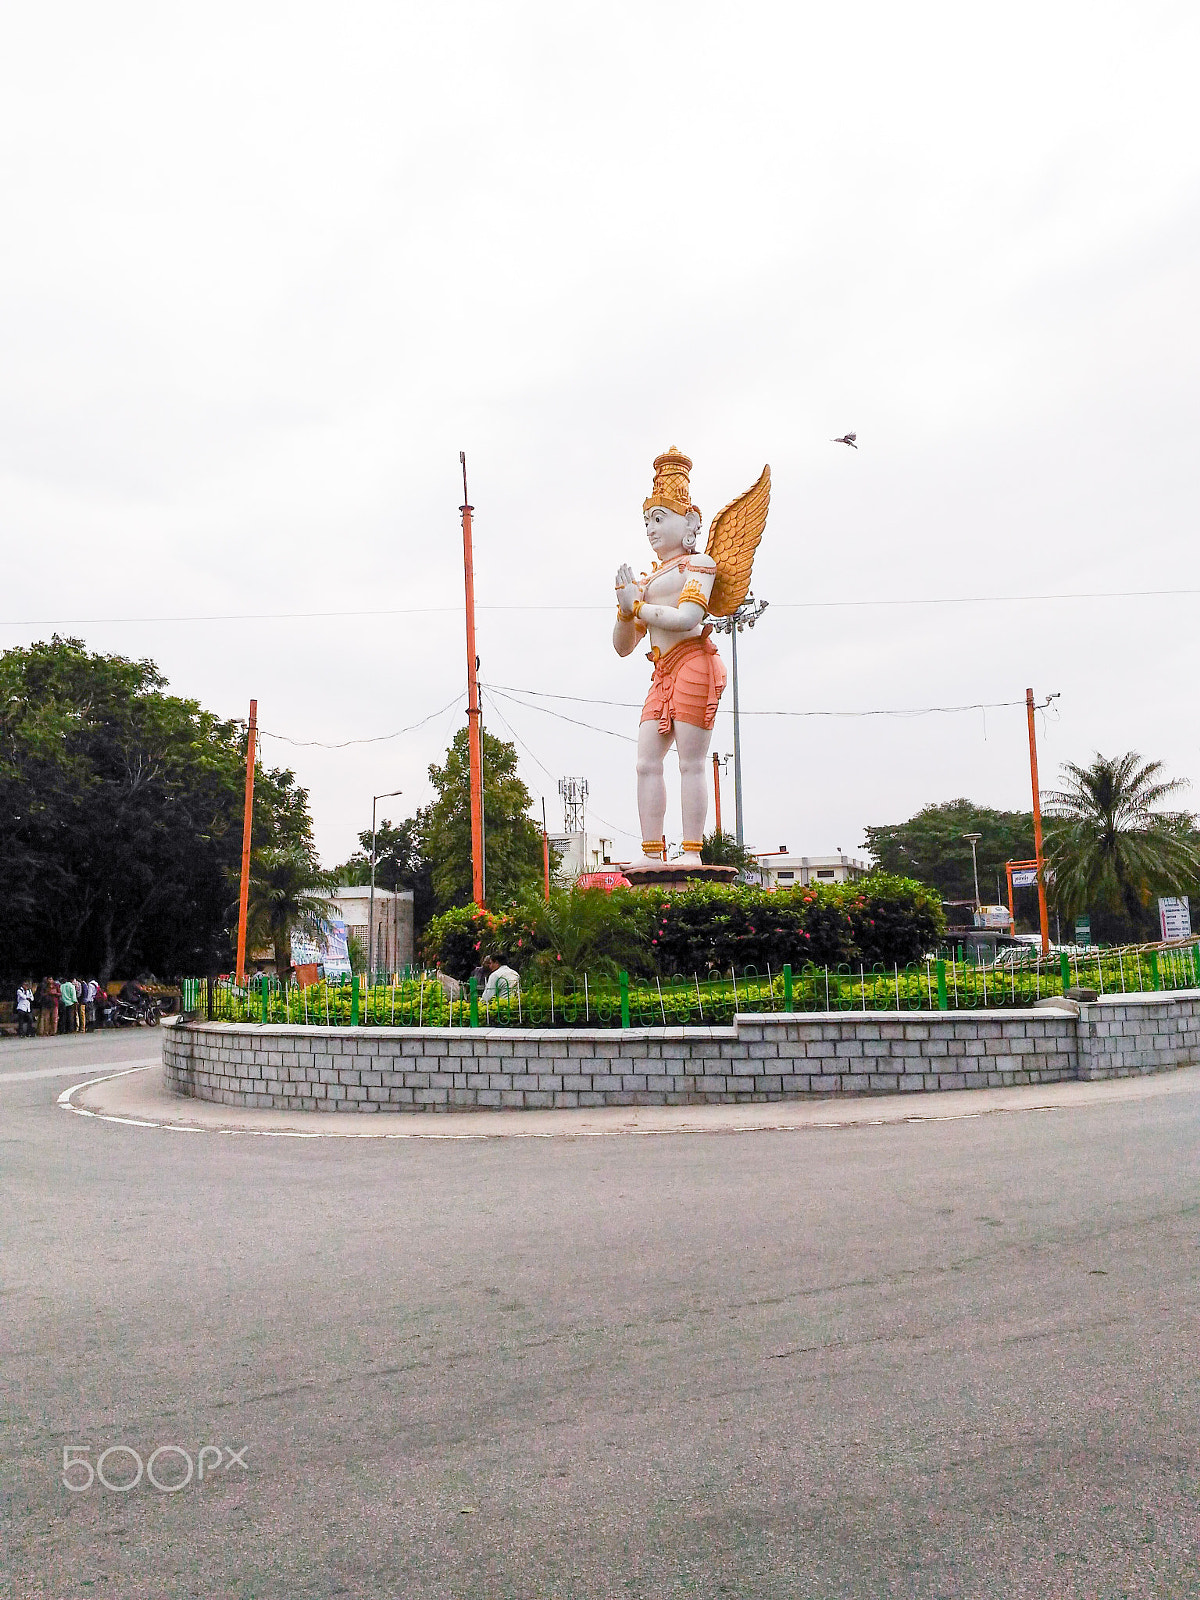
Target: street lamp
{"x":388,"y":795}
{"x":975,"y":838}
{"x":746,"y":615}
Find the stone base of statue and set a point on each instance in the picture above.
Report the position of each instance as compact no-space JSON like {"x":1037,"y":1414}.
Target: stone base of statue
{"x":677,"y":875}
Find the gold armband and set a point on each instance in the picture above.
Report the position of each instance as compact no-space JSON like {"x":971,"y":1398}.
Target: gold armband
{"x":624,"y":616}
{"x":637,"y":608}
{"x":692,"y":592}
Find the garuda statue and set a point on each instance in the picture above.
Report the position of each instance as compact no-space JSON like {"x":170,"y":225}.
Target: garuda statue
{"x":670,"y":604}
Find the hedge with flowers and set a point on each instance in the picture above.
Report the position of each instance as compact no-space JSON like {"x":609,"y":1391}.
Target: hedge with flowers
{"x":879,"y":918}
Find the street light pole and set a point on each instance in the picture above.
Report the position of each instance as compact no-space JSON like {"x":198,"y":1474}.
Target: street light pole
{"x":371,"y":903}
{"x":746,"y":615}
{"x":975,"y":838}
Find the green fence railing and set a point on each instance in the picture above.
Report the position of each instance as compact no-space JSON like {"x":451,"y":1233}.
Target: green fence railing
{"x":431,"y":1000}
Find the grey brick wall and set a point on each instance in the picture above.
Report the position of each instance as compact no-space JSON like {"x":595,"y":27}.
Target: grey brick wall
{"x":758,"y":1058}
{"x":1125,"y":1035}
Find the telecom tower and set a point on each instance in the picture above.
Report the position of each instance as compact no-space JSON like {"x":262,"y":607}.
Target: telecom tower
{"x":574,"y":798}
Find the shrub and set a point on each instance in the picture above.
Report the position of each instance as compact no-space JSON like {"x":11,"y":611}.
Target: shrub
{"x":894,"y":920}
{"x":880,"y":919}
{"x":458,"y":940}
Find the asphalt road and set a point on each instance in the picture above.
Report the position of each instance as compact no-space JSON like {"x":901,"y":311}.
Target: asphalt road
{"x":936,"y":1359}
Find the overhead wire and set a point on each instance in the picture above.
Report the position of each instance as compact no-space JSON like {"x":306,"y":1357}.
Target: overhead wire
{"x":631,"y":705}
{"x":561,"y":715}
{"x":415,"y":611}
{"x":616,"y":827}
{"x":375,"y":738}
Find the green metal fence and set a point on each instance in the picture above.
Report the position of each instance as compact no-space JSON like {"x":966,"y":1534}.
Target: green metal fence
{"x":428,"y":1000}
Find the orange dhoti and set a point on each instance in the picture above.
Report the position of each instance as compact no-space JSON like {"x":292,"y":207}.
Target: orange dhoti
{"x":686,"y":686}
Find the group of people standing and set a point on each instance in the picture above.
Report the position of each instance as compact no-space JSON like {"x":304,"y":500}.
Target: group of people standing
{"x":60,"y":1005}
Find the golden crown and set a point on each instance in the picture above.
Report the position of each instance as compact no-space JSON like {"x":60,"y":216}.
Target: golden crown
{"x":671,"y":487}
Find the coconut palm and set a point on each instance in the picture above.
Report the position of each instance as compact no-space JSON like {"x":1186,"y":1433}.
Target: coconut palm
{"x":1109,"y":844}
{"x":288,"y":891}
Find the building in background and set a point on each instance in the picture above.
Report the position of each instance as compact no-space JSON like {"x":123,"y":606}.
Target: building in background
{"x":782,"y":870}
{"x":579,"y":852}
{"x":393,"y":923}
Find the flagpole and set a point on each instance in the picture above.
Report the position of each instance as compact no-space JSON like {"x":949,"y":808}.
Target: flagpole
{"x":473,"y":712}
{"x":247,"y":821}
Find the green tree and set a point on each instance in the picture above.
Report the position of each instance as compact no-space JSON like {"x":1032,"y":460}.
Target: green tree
{"x":1110,"y":845}
{"x":513,"y":842}
{"x":400,"y":863}
{"x":120,"y":817}
{"x":288,"y":891}
{"x":931,"y":847}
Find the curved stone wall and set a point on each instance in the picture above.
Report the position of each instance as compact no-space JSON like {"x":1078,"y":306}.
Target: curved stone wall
{"x":777,"y":1057}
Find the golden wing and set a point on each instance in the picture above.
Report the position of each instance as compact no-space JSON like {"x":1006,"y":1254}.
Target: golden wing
{"x":732,"y":540}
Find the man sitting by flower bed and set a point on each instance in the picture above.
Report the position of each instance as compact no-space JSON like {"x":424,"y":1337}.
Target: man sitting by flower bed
{"x":497,"y":974}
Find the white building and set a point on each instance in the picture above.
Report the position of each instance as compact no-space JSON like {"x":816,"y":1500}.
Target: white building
{"x":393,"y":923}
{"x":579,"y":852}
{"x":782,"y":870}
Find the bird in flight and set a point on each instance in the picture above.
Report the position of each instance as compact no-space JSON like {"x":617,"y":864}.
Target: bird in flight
{"x":847,"y":438}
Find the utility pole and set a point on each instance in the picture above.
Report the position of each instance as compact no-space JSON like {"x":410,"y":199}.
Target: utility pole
{"x":737,"y":743}
{"x":247,"y":820}
{"x":473,"y":713}
{"x":717,"y":789}
{"x":975,"y":838}
{"x":1037,"y":822}
{"x":746,"y":615}
{"x":371,"y":902}
{"x":545,"y":851}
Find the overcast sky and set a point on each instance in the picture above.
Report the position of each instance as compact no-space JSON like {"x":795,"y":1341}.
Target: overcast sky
{"x":267,"y":268}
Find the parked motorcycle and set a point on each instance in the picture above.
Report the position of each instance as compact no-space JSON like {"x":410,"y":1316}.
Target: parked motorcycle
{"x":141,"y":1011}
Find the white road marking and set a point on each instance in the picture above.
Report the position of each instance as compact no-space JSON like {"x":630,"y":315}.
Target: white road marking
{"x":64,"y":1100}
{"x":64,"y":1072}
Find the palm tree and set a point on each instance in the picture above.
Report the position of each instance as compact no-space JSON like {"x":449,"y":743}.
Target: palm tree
{"x":578,"y":932}
{"x":288,"y":890}
{"x":1108,"y":844}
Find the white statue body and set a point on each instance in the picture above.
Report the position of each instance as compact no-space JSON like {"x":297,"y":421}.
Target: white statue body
{"x":652,"y":607}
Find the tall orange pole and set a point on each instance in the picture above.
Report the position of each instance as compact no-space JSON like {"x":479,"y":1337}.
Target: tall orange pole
{"x":545,"y":852}
{"x":248,"y":818}
{"x":473,"y":711}
{"x":1037,"y":825}
{"x":717,"y":789}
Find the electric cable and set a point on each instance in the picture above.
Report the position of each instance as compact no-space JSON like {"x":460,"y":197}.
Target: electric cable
{"x":624,"y":832}
{"x":562,"y":716}
{"x":632,"y":705}
{"x":420,"y":611}
{"x":375,"y":738}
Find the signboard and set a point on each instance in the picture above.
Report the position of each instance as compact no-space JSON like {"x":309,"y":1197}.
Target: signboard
{"x":332,"y":951}
{"x":1024,"y":878}
{"x":992,"y":917}
{"x":1175,"y":918}
{"x":1083,"y":930}
{"x":611,"y":878}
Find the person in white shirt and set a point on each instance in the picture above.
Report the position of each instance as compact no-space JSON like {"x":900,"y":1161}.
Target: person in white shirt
{"x":25,"y":1009}
{"x":502,"y":982}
